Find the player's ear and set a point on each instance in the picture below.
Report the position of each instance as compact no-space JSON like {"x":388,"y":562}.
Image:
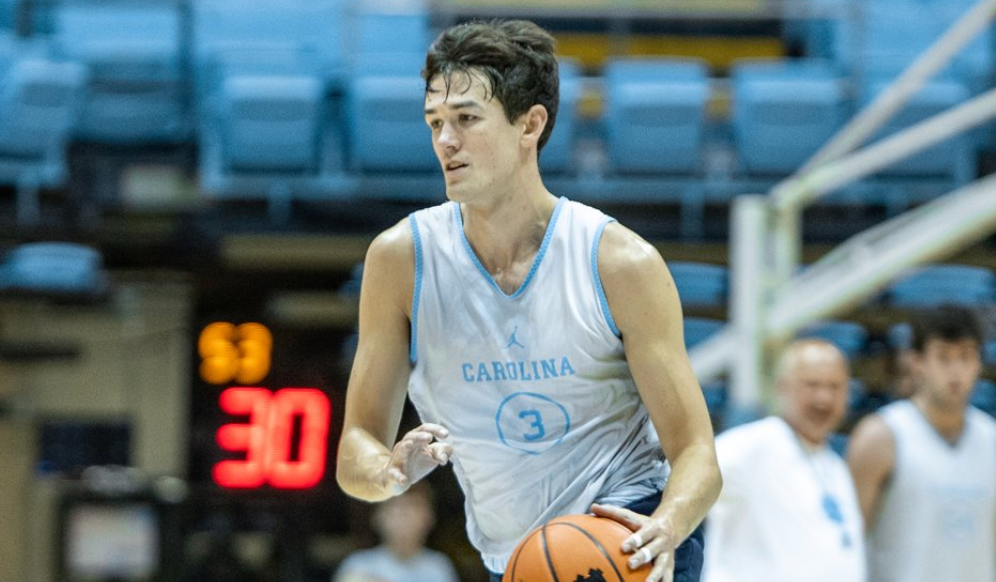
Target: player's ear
{"x":533,"y":122}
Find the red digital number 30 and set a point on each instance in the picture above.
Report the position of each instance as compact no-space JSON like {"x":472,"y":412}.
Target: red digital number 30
{"x":267,"y":439}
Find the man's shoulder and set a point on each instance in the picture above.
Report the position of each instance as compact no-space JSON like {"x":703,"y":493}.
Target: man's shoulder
{"x":435,"y":556}
{"x":363,"y":557}
{"x":392,"y":241}
{"x":983,"y":420}
{"x":622,"y":250}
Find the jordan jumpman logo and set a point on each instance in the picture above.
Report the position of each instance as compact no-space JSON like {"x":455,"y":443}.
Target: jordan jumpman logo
{"x":514,"y":341}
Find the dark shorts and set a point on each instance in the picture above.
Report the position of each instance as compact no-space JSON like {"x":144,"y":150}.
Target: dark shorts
{"x":688,"y":558}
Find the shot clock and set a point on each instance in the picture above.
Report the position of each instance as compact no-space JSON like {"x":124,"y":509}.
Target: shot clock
{"x":285,"y":441}
{"x":263,"y":436}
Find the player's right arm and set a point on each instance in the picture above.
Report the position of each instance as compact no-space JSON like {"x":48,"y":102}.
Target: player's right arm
{"x":370,"y":465}
{"x":871,"y":457}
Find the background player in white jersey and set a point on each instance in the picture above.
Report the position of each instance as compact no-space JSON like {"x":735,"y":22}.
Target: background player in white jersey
{"x":403,"y":524}
{"x":925,"y":468}
{"x":552,"y":385}
{"x":788,"y":511}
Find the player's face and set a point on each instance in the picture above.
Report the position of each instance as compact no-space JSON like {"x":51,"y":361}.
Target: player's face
{"x":477,"y":147}
{"x":404,"y":522}
{"x":947,"y":371}
{"x":815,"y":398}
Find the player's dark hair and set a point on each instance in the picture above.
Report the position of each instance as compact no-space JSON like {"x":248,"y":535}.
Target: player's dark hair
{"x":948,"y":323}
{"x":516,"y":58}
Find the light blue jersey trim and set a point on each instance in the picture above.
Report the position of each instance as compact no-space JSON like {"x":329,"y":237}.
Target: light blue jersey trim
{"x":413,"y":350}
{"x":602,"y":301}
{"x":536,"y":262}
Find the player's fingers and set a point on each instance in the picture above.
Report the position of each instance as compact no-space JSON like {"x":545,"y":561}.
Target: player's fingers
{"x":418,"y":438}
{"x":441,"y":452}
{"x":624,"y":516}
{"x":436,"y":430}
{"x":397,"y":476}
{"x":404,"y":452}
{"x":663,"y":570}
{"x":402,"y":449}
{"x":653,"y":530}
{"x":650,"y":552}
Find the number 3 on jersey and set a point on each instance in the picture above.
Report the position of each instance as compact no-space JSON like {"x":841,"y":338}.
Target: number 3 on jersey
{"x":536,"y":424}
{"x":531,"y":422}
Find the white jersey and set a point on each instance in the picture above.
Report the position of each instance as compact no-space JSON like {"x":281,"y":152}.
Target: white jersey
{"x":534,"y":388}
{"x":938,"y":516}
{"x":772,"y":522}
{"x":380,"y":564}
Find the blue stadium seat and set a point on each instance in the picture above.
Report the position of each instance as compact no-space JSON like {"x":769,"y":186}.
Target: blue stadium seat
{"x":314,"y":31}
{"x":887,"y":35}
{"x":700,"y":284}
{"x":39,"y":102}
{"x":557,"y":156}
{"x":387,"y":127}
{"x":849,"y":337}
{"x":8,"y":14}
{"x":952,"y":158}
{"x":385,"y":98}
{"x":270,"y":123}
{"x":132,"y":50}
{"x":391,"y":37}
{"x":699,"y":329}
{"x":984,"y":396}
{"x":989,"y":352}
{"x":938,"y":284}
{"x":267,"y":140}
{"x":809,"y":27}
{"x":52,"y":267}
{"x":783,"y":112}
{"x":266,"y":77}
{"x":655,"y":114}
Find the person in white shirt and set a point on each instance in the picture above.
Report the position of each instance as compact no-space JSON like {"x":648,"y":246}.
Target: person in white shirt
{"x":788,"y":510}
{"x":403,"y":523}
{"x":925,"y":468}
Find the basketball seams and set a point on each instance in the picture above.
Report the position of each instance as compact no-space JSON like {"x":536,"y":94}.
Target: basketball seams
{"x":592,"y":539}
{"x":514,"y":561}
{"x":549,"y":558}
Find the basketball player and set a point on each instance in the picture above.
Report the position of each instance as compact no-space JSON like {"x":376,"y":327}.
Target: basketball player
{"x":925,"y":468}
{"x":403,"y":524}
{"x":788,"y":511}
{"x":539,"y":340}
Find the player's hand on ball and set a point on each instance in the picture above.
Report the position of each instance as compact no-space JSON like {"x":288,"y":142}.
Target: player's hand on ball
{"x":421,"y":450}
{"x":651,"y":541}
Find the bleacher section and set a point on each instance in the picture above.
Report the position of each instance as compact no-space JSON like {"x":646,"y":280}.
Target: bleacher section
{"x":40,"y":98}
{"x":132,"y":52}
{"x":320,"y":100}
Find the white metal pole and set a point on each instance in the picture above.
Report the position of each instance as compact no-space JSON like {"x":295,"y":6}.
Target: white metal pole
{"x":865,"y":264}
{"x":748,"y":299}
{"x":906,"y":84}
{"x":827,"y":178}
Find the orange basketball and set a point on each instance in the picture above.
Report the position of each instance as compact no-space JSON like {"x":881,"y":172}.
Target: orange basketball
{"x":574,"y":548}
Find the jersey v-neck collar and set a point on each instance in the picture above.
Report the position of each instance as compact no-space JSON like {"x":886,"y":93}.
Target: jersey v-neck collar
{"x":458,"y":216}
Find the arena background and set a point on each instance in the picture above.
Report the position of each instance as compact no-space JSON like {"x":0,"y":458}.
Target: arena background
{"x":167,"y":165}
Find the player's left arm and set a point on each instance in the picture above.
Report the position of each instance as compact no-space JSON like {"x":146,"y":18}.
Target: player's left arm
{"x":644,"y":304}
